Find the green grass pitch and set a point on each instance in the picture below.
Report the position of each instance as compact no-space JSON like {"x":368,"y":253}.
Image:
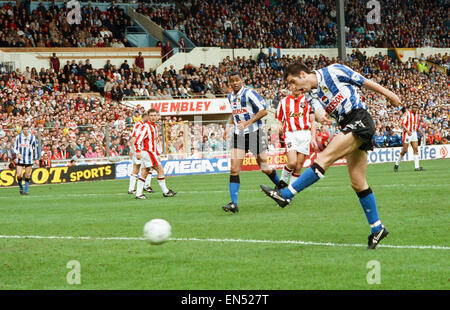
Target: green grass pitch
{"x":211,"y":249}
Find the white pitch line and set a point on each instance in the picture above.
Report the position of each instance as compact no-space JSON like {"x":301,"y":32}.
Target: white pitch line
{"x":420,"y":247}
{"x":53,"y":196}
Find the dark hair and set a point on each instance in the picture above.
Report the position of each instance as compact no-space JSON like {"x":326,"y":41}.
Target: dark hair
{"x":152,"y":110}
{"x":233,"y":73}
{"x":295,"y":69}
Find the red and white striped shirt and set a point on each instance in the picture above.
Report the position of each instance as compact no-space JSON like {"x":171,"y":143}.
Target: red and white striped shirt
{"x":295,"y":113}
{"x":146,"y":141}
{"x":411,"y":121}
{"x":137,"y":129}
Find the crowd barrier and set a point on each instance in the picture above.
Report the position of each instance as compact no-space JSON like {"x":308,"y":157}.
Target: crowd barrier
{"x":123,"y":169}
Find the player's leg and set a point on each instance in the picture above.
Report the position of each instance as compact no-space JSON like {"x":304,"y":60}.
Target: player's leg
{"x":19,"y":171}
{"x":257,"y":144}
{"x":341,"y":145}
{"x":404,"y":150}
{"x":237,"y":158}
{"x":261,"y":158}
{"x":415,"y":147}
{"x":134,"y":177}
{"x":290,"y":166}
{"x":239,"y":147}
{"x":162,"y":181}
{"x":27,"y":179}
{"x":303,"y":148}
{"x":145,"y":164}
{"x":141,"y":182}
{"x":291,"y":155}
{"x":357,"y":170}
{"x":298,"y":169}
{"x":156,"y":165}
{"x":148,"y":181}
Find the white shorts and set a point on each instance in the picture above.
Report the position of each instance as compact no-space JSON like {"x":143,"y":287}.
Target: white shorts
{"x":135,"y":161}
{"x":410,"y":138}
{"x":149,"y":159}
{"x":298,"y":141}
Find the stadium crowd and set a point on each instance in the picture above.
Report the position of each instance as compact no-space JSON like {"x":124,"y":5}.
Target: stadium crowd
{"x":293,"y":23}
{"x":50,"y":27}
{"x":69,"y":121}
{"x":233,"y":24}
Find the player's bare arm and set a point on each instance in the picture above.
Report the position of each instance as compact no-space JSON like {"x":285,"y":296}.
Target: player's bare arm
{"x":392,"y":97}
{"x":131,"y":145}
{"x":313,"y":132}
{"x":227,"y":127}
{"x":255,"y":118}
{"x":322,"y":117}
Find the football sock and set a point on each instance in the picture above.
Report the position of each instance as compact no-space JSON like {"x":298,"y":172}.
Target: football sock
{"x":309,"y":177}
{"x":399,"y":159}
{"x":140,"y":187}
{"x":19,"y":181}
{"x":27,"y":182}
{"x":369,"y":205}
{"x":235,"y":183}
{"x":285,"y":174}
{"x":133,"y":179}
{"x":294,"y":177}
{"x":274,"y":177}
{"x":416,"y":161}
{"x":148,"y":179}
{"x":162,"y":184}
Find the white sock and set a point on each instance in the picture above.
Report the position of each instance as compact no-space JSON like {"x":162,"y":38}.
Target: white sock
{"x":140,"y":187}
{"x":399,"y":159}
{"x":162,"y":184}
{"x":294,"y":177}
{"x":285,"y":174}
{"x":133,"y":179}
{"x":416,"y":161}
{"x":148,"y":180}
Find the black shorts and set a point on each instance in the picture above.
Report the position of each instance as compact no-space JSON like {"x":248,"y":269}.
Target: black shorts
{"x":360,"y":124}
{"x":24,"y":165}
{"x":255,"y":141}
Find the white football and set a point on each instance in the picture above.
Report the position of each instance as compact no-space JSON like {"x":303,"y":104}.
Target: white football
{"x":157,"y":231}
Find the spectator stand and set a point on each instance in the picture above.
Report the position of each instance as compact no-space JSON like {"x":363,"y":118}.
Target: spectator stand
{"x":32,"y":95}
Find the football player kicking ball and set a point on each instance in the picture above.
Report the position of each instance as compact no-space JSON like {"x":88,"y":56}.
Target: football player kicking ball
{"x":137,"y":163}
{"x":147,"y":153}
{"x":248,"y":108}
{"x":299,"y":126}
{"x":334,"y":88}
{"x":410,"y":124}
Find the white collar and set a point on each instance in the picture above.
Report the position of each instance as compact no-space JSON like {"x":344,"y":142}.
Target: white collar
{"x":319,"y":78}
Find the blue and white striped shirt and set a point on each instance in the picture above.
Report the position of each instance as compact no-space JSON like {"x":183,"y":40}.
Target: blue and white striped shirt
{"x":244,"y":105}
{"x":336,"y":92}
{"x":27,"y":147}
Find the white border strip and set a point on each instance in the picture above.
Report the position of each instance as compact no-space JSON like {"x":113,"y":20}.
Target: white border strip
{"x":421,"y":247}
